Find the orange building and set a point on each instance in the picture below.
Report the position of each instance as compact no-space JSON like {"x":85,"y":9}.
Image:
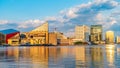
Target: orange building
{"x":53,"y":38}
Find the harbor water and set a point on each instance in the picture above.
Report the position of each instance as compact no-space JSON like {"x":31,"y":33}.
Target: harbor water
{"x":89,"y":56}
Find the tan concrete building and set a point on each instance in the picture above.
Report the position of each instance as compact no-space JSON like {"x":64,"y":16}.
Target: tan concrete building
{"x":58,"y":38}
{"x":81,"y":33}
{"x":60,"y":35}
{"x":53,"y":38}
{"x":109,"y":37}
{"x":66,"y":41}
{"x":62,"y":39}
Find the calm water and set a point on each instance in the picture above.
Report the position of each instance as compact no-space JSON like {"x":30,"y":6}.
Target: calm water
{"x":60,"y":57}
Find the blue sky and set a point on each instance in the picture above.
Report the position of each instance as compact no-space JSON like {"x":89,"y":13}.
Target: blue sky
{"x":32,"y":9}
{"x":25,"y":15}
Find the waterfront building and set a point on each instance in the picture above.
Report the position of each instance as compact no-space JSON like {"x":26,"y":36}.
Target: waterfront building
{"x":15,"y":40}
{"x":109,"y":37}
{"x":38,"y":35}
{"x":6,"y":37}
{"x":53,"y":38}
{"x":58,"y":38}
{"x":60,"y":35}
{"x":118,"y":39}
{"x":96,"y":34}
{"x":62,"y":39}
{"x":67,"y":41}
{"x":81,"y":33}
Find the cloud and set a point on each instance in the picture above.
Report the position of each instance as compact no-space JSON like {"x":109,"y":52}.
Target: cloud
{"x":116,"y":13}
{"x":70,"y":33}
{"x":6,"y":24}
{"x":30,"y":23}
{"x":89,"y":14}
{"x":3,"y":22}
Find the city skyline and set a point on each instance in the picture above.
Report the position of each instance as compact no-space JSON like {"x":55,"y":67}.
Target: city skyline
{"x":59,"y":33}
{"x":63,"y":17}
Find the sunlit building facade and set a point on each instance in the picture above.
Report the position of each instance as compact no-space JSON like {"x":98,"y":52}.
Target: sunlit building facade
{"x":15,"y":40}
{"x":118,"y":39}
{"x":53,"y":38}
{"x":96,"y":33}
{"x":109,"y":37}
{"x":38,"y":35}
{"x":81,"y":33}
{"x":58,"y":38}
{"x":6,"y":37}
{"x":62,"y":39}
{"x":60,"y":35}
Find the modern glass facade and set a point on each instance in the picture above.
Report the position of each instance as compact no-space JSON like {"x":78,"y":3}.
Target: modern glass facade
{"x":96,"y":33}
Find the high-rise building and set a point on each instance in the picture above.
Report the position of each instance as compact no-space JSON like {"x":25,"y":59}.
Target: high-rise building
{"x":118,"y":39}
{"x":81,"y":33}
{"x":96,"y":33}
{"x":109,"y":37}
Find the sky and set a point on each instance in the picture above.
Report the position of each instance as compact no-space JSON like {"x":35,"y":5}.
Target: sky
{"x":25,"y":15}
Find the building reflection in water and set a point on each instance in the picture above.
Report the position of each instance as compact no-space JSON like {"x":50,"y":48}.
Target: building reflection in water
{"x":31,"y":56}
{"x":40,"y":57}
{"x":97,"y":57}
{"x":110,"y":55}
{"x":13,"y":53}
{"x":67,"y":57}
{"x":118,"y":57}
{"x":118,"y":51}
{"x":59,"y":56}
{"x":80,"y":53}
{"x":54,"y":55}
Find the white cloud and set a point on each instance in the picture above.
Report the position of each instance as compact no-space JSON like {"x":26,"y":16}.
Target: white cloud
{"x":30,"y":23}
{"x":3,"y":22}
{"x":88,"y":14}
{"x":113,"y":21}
{"x":70,"y":33}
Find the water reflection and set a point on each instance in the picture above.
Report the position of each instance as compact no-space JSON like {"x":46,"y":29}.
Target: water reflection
{"x":60,"y":57}
{"x":80,"y":56}
{"x":110,"y":55}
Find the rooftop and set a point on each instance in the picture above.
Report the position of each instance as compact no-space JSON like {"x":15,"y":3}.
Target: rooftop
{"x":8,"y":31}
